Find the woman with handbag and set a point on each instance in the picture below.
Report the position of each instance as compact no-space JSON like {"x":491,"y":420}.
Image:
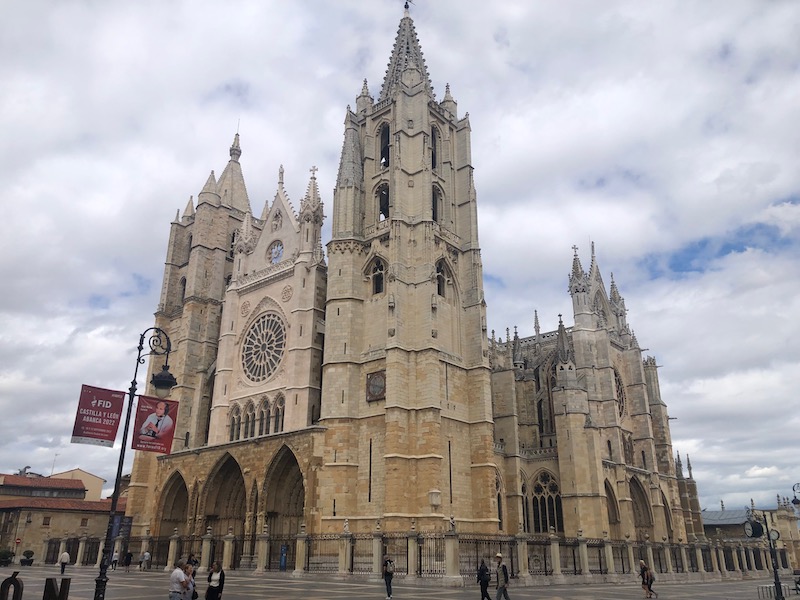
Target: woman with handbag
{"x":216,"y":581}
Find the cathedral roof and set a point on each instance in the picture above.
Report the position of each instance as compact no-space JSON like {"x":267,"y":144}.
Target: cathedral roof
{"x":406,"y":55}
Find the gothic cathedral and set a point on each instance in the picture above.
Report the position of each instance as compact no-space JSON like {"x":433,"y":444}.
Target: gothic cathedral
{"x":358,"y":388}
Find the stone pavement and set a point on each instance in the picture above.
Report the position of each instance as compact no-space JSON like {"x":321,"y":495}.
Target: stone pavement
{"x":247,"y":586}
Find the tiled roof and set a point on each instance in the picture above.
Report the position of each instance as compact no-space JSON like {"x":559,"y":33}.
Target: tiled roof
{"x":724,"y":517}
{"x":65,"y":504}
{"x":41,"y":482}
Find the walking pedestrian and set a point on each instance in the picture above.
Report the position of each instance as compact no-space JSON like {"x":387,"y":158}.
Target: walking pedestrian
{"x":502,"y":578}
{"x":126,"y":561}
{"x":63,"y":560}
{"x":388,"y":574}
{"x":647,"y":580}
{"x":146,"y":557}
{"x":484,"y":577}
{"x":115,"y":560}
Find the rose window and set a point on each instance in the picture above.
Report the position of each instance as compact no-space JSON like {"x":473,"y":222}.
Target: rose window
{"x":263,"y":347}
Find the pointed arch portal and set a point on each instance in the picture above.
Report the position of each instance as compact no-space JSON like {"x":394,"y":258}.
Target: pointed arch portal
{"x":174,"y":506}
{"x":224,"y":508}
{"x":642,"y":515}
{"x":284,"y":494}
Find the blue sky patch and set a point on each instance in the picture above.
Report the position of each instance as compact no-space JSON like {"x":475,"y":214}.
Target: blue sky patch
{"x":99,"y":302}
{"x":236,"y":92}
{"x":493,"y":282}
{"x":696,"y":256}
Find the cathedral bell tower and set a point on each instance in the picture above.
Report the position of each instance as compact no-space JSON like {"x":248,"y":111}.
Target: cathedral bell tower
{"x":406,"y":395}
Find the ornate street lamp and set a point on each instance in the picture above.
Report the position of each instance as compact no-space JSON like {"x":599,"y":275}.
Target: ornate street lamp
{"x":795,"y":489}
{"x":753,"y":529}
{"x":158,"y":344}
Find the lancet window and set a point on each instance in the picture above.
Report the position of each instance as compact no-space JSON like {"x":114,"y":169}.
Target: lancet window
{"x":436,"y":204}
{"x":441,"y":278}
{"x":434,"y":148}
{"x":378,"y":275}
{"x":235,"y":423}
{"x":385,"y":136}
{"x":382,"y":198}
{"x":263,"y":418}
{"x":545,"y":505}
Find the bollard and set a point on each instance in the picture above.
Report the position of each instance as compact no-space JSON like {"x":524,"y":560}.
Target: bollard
{"x":6,"y":585}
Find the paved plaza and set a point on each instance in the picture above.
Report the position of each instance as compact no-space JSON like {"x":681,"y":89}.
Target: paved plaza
{"x":247,"y":586}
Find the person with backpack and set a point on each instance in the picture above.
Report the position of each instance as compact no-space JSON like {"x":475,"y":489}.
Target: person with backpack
{"x":502,"y":578}
{"x":388,"y":574}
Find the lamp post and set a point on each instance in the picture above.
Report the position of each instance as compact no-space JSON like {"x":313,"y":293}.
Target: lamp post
{"x":158,"y":344}
{"x":795,"y":489}
{"x":773,"y":553}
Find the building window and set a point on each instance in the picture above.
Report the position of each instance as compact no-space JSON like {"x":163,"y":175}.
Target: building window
{"x":441,"y":278}
{"x":183,"y":289}
{"x":46,"y":522}
{"x":280,"y":411}
{"x":382,"y":197}
{"x":263,"y":347}
{"x":434,"y":148}
{"x":233,"y":245}
{"x":378,"y":272}
{"x":498,"y":492}
{"x":546,"y":504}
{"x":84,"y":522}
{"x":263,"y":418}
{"x":620,"y":389}
{"x":385,"y":145}
{"x":235,"y":424}
{"x":249,"y":429}
{"x":436,"y":204}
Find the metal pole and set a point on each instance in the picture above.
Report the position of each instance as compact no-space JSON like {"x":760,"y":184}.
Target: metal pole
{"x":774,"y":557}
{"x":158,"y":346}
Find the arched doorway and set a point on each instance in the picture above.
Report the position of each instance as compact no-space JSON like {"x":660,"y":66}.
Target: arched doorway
{"x":174,"y":506}
{"x":612,"y":509}
{"x":284,"y":494}
{"x":224,"y":508}
{"x":642,"y":514}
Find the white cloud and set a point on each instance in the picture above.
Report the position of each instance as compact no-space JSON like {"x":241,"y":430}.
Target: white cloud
{"x":664,"y":133}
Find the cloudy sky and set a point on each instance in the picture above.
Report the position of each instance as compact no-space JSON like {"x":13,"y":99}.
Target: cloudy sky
{"x":665,"y":132}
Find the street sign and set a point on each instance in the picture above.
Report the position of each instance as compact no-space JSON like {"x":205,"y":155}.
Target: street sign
{"x":18,"y":541}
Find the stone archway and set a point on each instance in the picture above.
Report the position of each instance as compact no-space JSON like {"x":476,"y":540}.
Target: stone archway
{"x":174,"y":507}
{"x":642,"y":513}
{"x":225,"y":497}
{"x":284,"y":494}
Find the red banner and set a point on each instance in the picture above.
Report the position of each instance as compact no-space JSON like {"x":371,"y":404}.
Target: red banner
{"x":154,"y":425}
{"x":98,"y":416}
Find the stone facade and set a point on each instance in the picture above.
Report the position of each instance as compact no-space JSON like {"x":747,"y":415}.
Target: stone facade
{"x":364,"y":393}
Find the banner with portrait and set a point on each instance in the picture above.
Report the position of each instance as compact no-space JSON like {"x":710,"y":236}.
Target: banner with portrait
{"x":98,"y":416}
{"x":154,"y":425}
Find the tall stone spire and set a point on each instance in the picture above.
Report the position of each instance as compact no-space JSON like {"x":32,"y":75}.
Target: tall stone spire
{"x":230,"y":187}
{"x":578,"y":280}
{"x":351,"y":163}
{"x":406,"y":56}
